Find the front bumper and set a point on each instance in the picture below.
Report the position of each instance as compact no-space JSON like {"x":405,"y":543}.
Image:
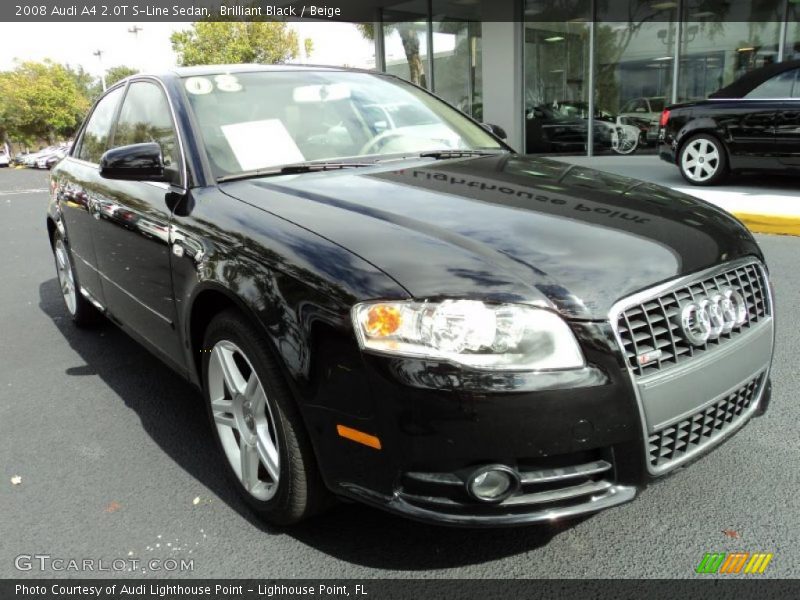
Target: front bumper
{"x":578,"y":441}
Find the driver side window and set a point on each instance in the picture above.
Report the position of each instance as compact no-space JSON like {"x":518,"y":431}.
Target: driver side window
{"x":94,"y":140}
{"x":146,"y":117}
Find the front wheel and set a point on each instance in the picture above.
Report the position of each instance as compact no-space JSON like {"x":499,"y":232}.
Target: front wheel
{"x":623,"y":142}
{"x":257,"y":425}
{"x":702,"y":160}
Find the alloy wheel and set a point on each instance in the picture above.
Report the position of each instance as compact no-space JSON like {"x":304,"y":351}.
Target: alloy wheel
{"x":244,"y":420}
{"x":65,"y":276}
{"x":700,"y":160}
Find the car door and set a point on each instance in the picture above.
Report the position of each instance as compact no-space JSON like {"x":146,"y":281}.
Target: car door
{"x":132,"y":233}
{"x":78,"y":187}
{"x":787,"y":123}
{"x":751,"y":122}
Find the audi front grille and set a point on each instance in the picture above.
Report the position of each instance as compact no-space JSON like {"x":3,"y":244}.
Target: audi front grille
{"x":650,"y":331}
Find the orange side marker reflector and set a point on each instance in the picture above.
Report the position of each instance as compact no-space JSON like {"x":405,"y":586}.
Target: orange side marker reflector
{"x":359,"y":436}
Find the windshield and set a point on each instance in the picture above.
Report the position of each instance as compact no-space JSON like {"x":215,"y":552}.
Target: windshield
{"x":270,"y":118}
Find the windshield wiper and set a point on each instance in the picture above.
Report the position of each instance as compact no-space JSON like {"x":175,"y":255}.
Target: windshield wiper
{"x":293,"y":169}
{"x":443,"y":154}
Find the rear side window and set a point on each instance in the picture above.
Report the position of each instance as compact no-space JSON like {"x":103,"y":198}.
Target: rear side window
{"x":95,"y":136}
{"x":782,"y":85}
{"x":146,"y":117}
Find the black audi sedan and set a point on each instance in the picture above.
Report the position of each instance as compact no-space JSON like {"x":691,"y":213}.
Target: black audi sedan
{"x":380,"y":301}
{"x":751,"y":125}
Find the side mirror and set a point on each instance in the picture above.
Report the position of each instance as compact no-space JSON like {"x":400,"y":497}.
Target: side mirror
{"x":496,"y":129}
{"x":137,"y":162}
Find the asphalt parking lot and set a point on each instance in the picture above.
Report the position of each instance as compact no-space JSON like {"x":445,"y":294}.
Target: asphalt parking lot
{"x":115,"y":460}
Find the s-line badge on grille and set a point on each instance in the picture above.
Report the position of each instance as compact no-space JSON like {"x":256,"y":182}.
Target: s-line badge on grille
{"x":707,"y":318}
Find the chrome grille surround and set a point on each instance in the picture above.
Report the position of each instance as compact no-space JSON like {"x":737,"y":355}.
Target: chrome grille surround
{"x":651,"y":325}
{"x":709,"y":355}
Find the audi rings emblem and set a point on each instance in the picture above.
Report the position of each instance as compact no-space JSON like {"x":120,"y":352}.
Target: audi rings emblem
{"x":708,"y":318}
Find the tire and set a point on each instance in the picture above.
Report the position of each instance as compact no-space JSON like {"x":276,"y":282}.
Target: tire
{"x":703,"y":161}
{"x":80,"y":310}
{"x":257,"y":425}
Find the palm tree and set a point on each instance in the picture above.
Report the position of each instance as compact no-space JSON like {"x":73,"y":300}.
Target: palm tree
{"x":410,"y":40}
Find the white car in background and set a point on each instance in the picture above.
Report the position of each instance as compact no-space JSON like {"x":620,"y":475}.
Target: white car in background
{"x":30,"y":159}
{"x":5,"y":160}
{"x":644,"y":112}
{"x":48,"y":160}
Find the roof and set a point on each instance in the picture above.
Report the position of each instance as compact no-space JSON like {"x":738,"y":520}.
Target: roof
{"x":201,"y":70}
{"x":747,"y":82}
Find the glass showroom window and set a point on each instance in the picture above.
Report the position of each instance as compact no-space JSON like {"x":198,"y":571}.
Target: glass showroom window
{"x":405,"y":41}
{"x":792,"y":47}
{"x":634,"y":66}
{"x":556,"y":57}
{"x":720,"y":43}
{"x":457,"y":57}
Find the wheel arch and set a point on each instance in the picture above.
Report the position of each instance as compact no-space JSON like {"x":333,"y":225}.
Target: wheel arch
{"x":208,"y":301}
{"x":51,"y":230}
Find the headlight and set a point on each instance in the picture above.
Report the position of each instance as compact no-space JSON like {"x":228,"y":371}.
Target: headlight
{"x":468,"y":332}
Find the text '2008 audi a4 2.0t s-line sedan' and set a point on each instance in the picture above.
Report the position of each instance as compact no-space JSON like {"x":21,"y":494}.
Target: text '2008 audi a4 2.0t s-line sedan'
{"x":381,"y":301}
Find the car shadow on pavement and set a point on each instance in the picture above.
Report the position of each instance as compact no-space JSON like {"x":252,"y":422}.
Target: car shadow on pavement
{"x":349,"y":532}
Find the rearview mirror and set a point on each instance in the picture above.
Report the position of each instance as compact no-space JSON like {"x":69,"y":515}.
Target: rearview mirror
{"x":321,"y":93}
{"x":136,"y":162}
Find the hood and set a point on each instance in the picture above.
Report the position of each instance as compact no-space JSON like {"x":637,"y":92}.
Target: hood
{"x":508,"y":228}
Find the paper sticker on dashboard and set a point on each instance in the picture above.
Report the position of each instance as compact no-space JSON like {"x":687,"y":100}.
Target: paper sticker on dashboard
{"x":260,"y":144}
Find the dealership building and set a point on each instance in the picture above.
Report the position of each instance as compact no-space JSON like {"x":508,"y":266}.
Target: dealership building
{"x":516,"y":62}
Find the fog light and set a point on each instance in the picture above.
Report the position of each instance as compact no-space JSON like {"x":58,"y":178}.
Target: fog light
{"x":493,"y":483}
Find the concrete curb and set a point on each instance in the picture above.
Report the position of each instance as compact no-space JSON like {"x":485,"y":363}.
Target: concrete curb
{"x":774,"y":224}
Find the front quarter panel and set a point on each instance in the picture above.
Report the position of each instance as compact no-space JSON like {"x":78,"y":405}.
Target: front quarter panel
{"x":296,"y":286}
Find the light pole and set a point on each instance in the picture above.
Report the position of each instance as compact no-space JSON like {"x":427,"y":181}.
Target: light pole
{"x":99,"y":54}
{"x":135,"y":29}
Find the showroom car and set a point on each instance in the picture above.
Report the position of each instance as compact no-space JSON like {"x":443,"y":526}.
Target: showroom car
{"x":548,"y":129}
{"x":404,"y":312}
{"x":644,"y":112}
{"x":751,"y":125}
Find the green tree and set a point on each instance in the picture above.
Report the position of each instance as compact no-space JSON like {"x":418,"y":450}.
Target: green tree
{"x":41,"y":101}
{"x":114,"y":74}
{"x":88,"y":84}
{"x":230,"y":42}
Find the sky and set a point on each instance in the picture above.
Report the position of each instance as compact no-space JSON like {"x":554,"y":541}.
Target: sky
{"x":149,"y":49}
